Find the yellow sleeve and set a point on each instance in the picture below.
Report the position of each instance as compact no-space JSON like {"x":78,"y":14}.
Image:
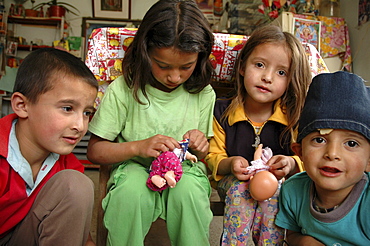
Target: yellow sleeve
{"x":295,"y":157}
{"x":299,"y":163}
{"x":217,"y":149}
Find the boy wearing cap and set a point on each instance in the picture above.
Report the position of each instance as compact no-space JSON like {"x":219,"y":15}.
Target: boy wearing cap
{"x":329,"y":203}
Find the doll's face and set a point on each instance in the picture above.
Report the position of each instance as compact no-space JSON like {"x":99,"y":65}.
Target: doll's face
{"x":171,"y":67}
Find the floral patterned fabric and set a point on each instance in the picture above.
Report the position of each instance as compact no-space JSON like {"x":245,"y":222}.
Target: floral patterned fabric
{"x":334,"y":38}
{"x":107,"y":47}
{"x":247,"y":221}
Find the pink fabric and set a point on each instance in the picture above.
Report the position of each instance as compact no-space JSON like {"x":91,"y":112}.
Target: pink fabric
{"x":167,"y":161}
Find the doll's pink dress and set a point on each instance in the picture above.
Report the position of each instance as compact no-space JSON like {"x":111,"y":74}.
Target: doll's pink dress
{"x":167,"y":161}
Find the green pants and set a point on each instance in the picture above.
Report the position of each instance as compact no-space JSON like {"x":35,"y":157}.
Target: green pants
{"x":131,"y":207}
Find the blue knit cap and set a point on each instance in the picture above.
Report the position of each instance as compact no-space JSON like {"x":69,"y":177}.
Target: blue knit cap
{"x":336,"y":101}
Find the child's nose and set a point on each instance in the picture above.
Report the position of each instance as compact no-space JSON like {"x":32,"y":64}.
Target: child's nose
{"x":174,"y":76}
{"x":267,"y":76}
{"x":80,"y":123}
{"x":332,"y":152}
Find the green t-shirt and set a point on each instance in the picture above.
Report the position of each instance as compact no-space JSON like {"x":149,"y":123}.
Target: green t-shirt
{"x":121,"y":118}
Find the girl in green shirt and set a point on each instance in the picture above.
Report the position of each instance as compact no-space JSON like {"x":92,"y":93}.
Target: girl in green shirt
{"x":164,"y":96}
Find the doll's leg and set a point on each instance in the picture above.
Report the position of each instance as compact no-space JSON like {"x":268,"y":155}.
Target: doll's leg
{"x":61,"y":213}
{"x":173,"y":169}
{"x":158,"y":181}
{"x":155,"y":181}
{"x":170,"y":178}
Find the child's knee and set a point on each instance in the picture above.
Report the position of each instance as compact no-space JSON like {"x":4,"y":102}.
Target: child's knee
{"x":75,"y":186}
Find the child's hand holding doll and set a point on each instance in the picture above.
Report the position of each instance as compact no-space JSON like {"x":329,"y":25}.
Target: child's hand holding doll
{"x":198,"y":143}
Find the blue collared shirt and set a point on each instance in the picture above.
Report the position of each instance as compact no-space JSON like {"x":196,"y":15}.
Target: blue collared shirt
{"x":21,"y":165}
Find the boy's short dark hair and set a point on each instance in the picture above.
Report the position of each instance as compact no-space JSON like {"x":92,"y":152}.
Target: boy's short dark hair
{"x":41,"y":68}
{"x":336,"y":101}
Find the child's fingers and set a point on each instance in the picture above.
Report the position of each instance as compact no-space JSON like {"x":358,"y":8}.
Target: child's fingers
{"x":154,"y":146}
{"x":165,"y":143}
{"x":197,"y":140}
{"x":279,"y":174}
{"x":239,"y":168}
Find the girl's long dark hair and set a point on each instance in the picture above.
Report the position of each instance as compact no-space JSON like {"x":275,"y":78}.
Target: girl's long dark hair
{"x":169,"y":23}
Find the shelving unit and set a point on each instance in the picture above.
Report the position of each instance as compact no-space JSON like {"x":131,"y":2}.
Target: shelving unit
{"x":36,"y":21}
{"x":31,"y":47}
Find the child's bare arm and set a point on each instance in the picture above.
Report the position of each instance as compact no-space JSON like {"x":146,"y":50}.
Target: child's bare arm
{"x":103,"y":151}
{"x":296,"y":238}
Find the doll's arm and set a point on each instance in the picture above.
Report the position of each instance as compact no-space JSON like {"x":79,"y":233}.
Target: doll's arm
{"x":258,"y":152}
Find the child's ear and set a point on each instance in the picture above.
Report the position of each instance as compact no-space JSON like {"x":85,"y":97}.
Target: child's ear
{"x":242,"y":70}
{"x":19,"y":104}
{"x":368,"y":167}
{"x":297,"y":148}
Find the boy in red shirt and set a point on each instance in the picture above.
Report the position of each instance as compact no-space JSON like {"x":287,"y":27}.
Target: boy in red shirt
{"x":45,"y":199}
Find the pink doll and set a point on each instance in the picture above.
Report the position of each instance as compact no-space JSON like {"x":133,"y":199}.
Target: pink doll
{"x":263,"y":184}
{"x":166,"y":169}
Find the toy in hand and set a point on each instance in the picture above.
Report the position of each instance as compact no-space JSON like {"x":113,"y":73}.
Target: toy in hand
{"x":166,"y":169}
{"x":263,"y":184}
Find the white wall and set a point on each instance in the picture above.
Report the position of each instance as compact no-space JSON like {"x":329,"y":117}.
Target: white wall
{"x":359,"y":37}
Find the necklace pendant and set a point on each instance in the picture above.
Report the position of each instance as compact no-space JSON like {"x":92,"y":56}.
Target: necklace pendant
{"x":257,"y":141}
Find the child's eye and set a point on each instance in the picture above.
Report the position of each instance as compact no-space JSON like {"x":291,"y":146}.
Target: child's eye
{"x":88,"y":113}
{"x":163,"y":67}
{"x":282,"y":73}
{"x":259,"y":64}
{"x":352,"y":143}
{"x":67,"y":108}
{"x":186,"y":68}
{"x":318,"y":140}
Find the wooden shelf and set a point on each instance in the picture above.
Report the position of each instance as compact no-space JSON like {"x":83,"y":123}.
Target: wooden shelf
{"x":46,"y":21}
